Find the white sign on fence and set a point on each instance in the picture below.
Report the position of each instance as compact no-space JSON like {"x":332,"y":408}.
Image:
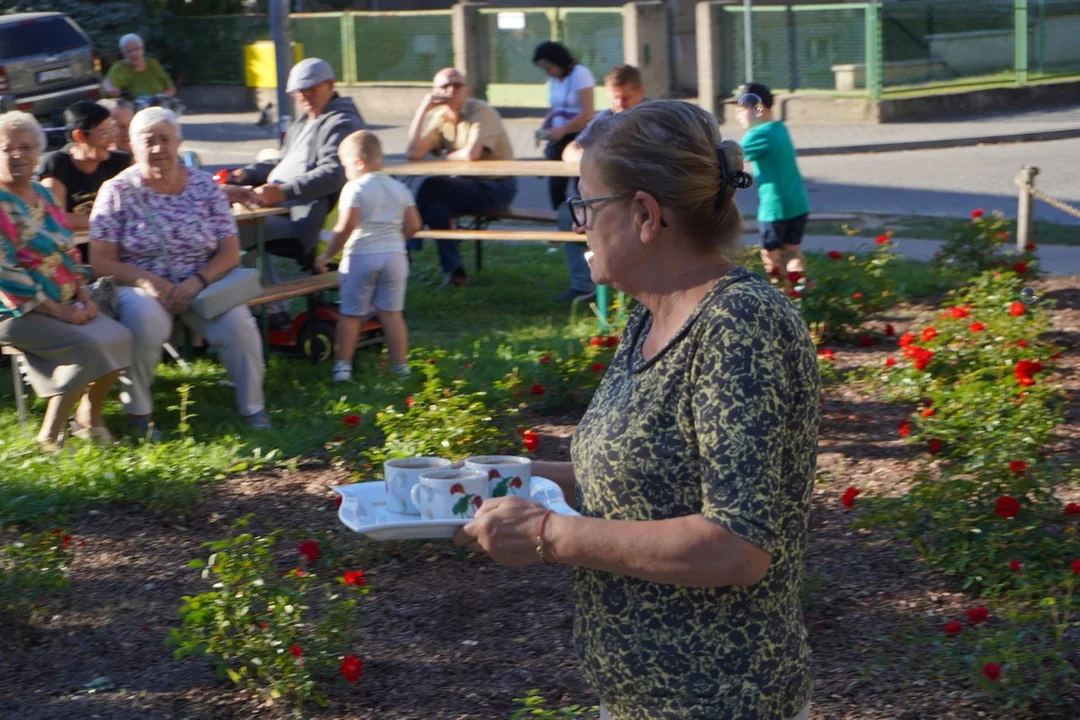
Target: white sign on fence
{"x":511,"y":20}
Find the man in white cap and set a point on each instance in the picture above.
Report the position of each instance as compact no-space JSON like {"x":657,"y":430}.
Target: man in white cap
{"x":308,"y":176}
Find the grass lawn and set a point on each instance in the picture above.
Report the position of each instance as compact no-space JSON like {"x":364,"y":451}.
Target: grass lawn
{"x":505,"y":317}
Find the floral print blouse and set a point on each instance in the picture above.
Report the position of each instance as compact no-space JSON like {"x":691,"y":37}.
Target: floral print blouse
{"x":193,"y":223}
{"x":721,"y":423}
{"x":38,"y":257}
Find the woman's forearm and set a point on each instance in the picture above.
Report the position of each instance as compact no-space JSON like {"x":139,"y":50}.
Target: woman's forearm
{"x":220,"y":263}
{"x":560,"y":473}
{"x":578,"y":122}
{"x":689,"y":551}
{"x":77,"y":222}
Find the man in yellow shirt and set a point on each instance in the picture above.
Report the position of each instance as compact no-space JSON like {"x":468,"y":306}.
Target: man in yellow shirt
{"x":449,"y":122}
{"x":137,"y":75}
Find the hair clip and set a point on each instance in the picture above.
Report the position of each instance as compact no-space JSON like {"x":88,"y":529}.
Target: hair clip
{"x":741,"y":180}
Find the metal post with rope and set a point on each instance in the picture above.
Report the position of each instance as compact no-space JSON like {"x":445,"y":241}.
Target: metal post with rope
{"x":1025,"y":216}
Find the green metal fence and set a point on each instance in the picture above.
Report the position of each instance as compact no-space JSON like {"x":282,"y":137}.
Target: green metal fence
{"x":401,"y":47}
{"x":593,"y":35}
{"x":875,"y":48}
{"x":321,"y":34}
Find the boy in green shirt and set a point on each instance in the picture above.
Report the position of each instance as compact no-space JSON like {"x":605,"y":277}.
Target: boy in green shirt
{"x":783,"y":204}
{"x":136,"y":74}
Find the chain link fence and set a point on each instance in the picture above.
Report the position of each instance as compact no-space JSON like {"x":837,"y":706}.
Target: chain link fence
{"x":401,"y":47}
{"x":321,"y":36}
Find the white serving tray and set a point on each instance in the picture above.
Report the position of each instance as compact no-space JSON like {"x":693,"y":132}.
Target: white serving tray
{"x":363,"y":510}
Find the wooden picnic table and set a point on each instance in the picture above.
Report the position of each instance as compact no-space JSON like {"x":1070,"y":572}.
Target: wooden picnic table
{"x":486,"y":168}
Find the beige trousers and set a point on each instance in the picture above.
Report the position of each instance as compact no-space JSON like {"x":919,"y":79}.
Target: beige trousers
{"x":234,"y":333}
{"x":804,"y":715}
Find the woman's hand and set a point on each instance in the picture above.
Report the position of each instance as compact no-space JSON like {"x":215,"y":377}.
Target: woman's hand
{"x":88,"y":303}
{"x":157,"y":287}
{"x":504,"y":528}
{"x":320,"y":263}
{"x":557,"y":134}
{"x":72,"y":314}
{"x":183,"y":294}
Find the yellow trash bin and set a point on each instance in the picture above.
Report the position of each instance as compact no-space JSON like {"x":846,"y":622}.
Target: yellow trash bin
{"x":259,"y":65}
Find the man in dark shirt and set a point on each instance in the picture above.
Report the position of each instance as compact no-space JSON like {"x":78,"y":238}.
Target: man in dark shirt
{"x":75,"y":173}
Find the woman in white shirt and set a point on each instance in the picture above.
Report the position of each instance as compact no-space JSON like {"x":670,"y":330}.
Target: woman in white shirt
{"x":570,"y":90}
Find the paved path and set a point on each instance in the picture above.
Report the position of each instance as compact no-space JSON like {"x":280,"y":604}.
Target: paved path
{"x":943,"y":182}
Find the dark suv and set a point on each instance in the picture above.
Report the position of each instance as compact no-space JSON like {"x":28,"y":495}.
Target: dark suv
{"x":46,"y":64}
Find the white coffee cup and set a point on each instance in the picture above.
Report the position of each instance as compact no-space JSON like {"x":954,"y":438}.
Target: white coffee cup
{"x":402,"y":475}
{"x":507,"y":474}
{"x":449,"y":494}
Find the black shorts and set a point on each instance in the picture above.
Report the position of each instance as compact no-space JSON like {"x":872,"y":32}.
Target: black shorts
{"x":782,"y":232}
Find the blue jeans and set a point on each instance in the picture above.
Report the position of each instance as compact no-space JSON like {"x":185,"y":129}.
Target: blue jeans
{"x":441,"y":199}
{"x":580,"y":275}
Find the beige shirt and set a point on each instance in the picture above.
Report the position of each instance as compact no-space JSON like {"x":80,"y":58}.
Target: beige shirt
{"x":478,"y":122}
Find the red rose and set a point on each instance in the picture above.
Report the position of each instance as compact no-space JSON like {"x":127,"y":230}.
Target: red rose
{"x":1021,"y":343}
{"x":866,"y":340}
{"x":1030,"y":247}
{"x":1003,"y":236}
{"x":848,"y":498}
{"x":354,"y":577}
{"x":826,"y":354}
{"x":976,"y":214}
{"x":992,"y":671}
{"x":795,"y":294}
{"x":515,"y":482}
{"x":857,"y":296}
{"x":882,"y":239}
{"x":409,"y":402}
{"x":1026,"y":381}
{"x":928,"y":412}
{"x":953,"y":629}
{"x":477,"y":500}
{"x":976,"y":327}
{"x":977,"y":615}
{"x":957,"y":313}
{"x":596,"y":342}
{"x":337,"y":502}
{"x":309,"y":550}
{"x":352,"y":419}
{"x":1020,"y":267}
{"x":1076,"y":567}
{"x":1071,"y":509}
{"x":922,"y":358}
{"x":66,"y":542}
{"x":457,"y":489}
{"x":598,"y":366}
{"x":532,"y":440}
{"x":545,"y":360}
{"x":1018,"y":466}
{"x":905,"y":428}
{"x":264,"y":625}
{"x":935,"y":446}
{"x":889,"y":330}
{"x":1017,"y":309}
{"x":775,"y":272}
{"x":836,"y":255}
{"x":1016,"y":566}
{"x":352,"y":668}
{"x":611,"y":341}
{"x":298,"y":572}
{"x":929,"y":334}
{"x":906,"y":339}
{"x":295,"y":650}
{"x":537,"y":389}
{"x":1007,"y":507}
{"x":794,"y":276}
{"x":890,"y":361}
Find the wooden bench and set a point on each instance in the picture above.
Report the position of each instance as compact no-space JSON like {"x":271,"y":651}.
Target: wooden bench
{"x":15,"y":356}
{"x":307,"y":286}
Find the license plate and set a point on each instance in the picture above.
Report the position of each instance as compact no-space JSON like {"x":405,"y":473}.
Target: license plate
{"x":52,"y":75}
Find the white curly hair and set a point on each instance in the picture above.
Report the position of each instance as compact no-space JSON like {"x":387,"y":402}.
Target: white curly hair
{"x":19,"y":121}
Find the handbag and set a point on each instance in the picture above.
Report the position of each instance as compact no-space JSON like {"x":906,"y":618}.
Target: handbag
{"x":235,"y":288}
{"x":103,"y":293}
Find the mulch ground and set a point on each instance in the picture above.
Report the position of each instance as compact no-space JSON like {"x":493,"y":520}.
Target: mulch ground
{"x":447,"y":635}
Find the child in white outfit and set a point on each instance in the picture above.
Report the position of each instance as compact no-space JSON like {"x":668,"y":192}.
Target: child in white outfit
{"x":376,"y":215}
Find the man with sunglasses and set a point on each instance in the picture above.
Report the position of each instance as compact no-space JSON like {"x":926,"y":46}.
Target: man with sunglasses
{"x":450,"y":123}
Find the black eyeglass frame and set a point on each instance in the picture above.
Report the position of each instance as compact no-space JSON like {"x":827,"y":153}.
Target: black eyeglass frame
{"x":578,"y":205}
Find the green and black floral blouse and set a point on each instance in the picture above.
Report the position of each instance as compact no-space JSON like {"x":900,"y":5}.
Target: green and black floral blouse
{"x":723,"y":422}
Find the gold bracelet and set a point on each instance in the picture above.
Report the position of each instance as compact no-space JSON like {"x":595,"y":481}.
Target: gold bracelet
{"x":540,"y":548}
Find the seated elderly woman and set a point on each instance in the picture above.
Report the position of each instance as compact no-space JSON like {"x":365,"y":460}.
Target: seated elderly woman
{"x":166,"y":232}
{"x":46,"y":311}
{"x":137,"y":75}
{"x":694,"y":464}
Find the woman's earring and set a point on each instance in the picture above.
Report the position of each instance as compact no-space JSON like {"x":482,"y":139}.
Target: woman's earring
{"x":663,"y":222}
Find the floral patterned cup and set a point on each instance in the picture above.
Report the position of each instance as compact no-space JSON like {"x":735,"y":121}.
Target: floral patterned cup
{"x":450,"y":494}
{"x":402,"y":475}
{"x":507,"y":474}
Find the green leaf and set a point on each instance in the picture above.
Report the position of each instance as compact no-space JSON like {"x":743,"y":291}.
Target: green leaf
{"x":196,"y":564}
{"x":500,"y":488}
{"x":462,"y":505}
{"x":233,"y":675}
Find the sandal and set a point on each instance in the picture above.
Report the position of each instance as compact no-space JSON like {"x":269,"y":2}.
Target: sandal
{"x":97,"y":435}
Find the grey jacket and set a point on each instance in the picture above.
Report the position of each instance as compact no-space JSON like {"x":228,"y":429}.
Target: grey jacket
{"x":324,"y":177}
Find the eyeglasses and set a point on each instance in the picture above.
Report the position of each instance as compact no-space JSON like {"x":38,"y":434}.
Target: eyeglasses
{"x":451,"y":85}
{"x":579,"y":209}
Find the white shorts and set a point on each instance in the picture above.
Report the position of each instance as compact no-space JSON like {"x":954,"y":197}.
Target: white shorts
{"x":373,"y":282}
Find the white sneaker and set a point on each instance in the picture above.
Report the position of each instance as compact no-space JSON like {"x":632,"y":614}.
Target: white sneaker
{"x":342,"y":371}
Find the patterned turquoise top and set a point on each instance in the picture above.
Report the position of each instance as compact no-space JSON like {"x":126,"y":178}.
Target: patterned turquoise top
{"x":38,"y":258}
{"x":723,"y":422}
